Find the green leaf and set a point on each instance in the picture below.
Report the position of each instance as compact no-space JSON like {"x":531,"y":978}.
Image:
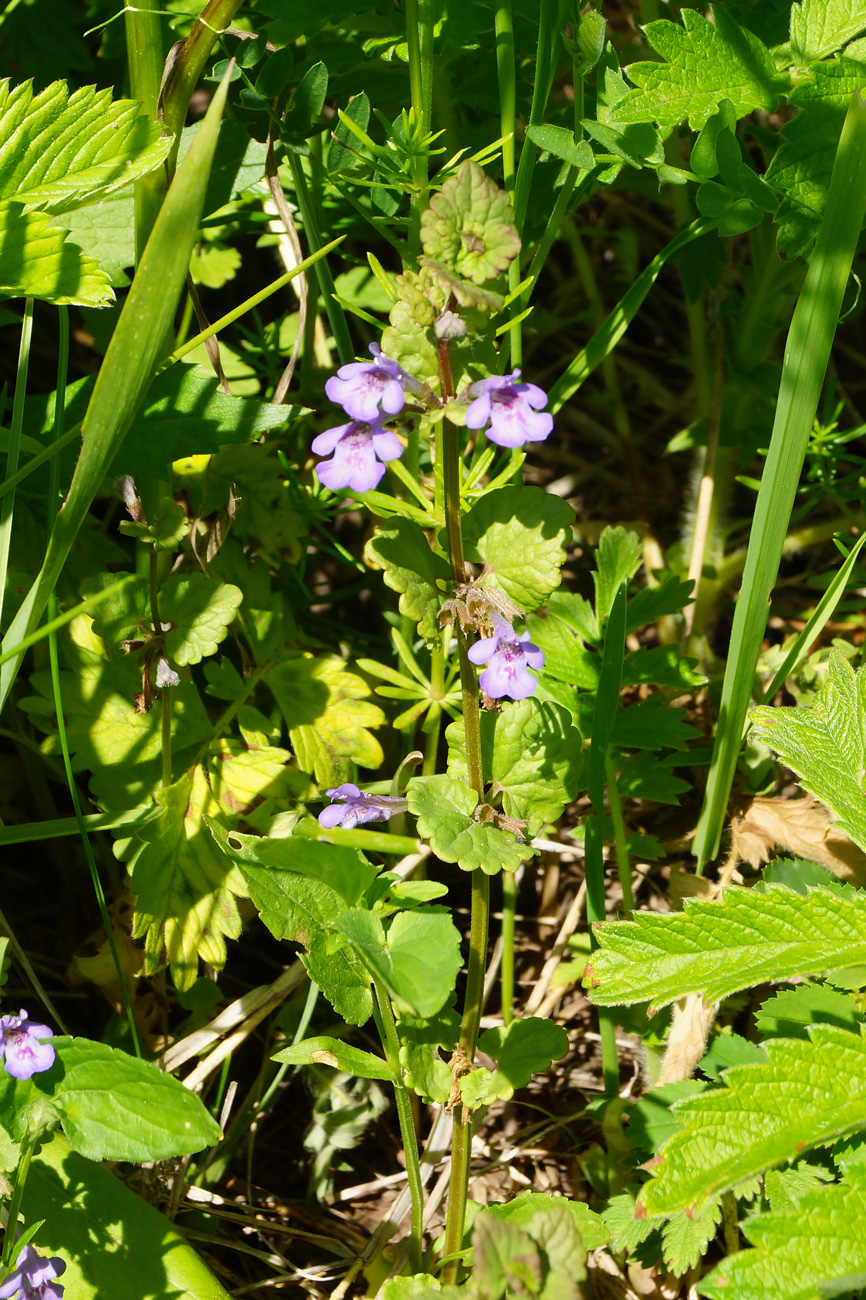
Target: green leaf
{"x":626,"y":1231}
{"x":818,"y":27}
{"x":645,"y":777}
{"x":343,"y":151}
{"x":411,"y":567}
{"x":521,"y":535}
{"x":423,"y":1067}
{"x":523,"y":1209}
{"x":560,"y":142}
{"x":727,"y":1050}
{"x":617,"y":560}
{"x":668,"y":596}
{"x":411,"y":342}
{"x":816,"y":1248}
{"x":199,"y":611}
{"x":685,"y":1238}
{"x":652,"y":1120}
{"x":58,"y":150}
{"x":806,"y":1093}
{"x":531,"y":754}
{"x":505,"y":1259}
{"x":704,"y":64}
{"x":651,"y":724}
{"x":823,"y":743}
{"x":565,"y":656}
{"x":115,"y":1107}
{"x":718,"y":947}
{"x":790,"y":1012}
{"x":305,"y":110}
{"x":105,"y":231}
{"x":40,"y":262}
{"x":469,"y":226}
{"x":185,"y":884}
{"x":114,"y":1243}
{"x":662,"y":665}
{"x":170,"y":526}
{"x":803,"y":163}
{"x":417,"y":958}
{"x":521,"y":1049}
{"x":333,"y":1052}
{"x":444,"y":808}
{"x":327,"y":711}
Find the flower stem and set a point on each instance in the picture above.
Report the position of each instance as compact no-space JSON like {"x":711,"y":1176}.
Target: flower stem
{"x":509,"y":901}
{"x":388,"y":1030}
{"x":15,"y":1200}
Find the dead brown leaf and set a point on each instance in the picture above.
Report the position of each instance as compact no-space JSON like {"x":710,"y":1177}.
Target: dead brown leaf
{"x":803,"y":828}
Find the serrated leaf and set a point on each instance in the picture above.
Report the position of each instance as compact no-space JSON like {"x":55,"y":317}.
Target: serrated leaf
{"x":199,"y":611}
{"x":505,"y":1258}
{"x":823,"y":743}
{"x":39,"y":261}
{"x":616,"y":561}
{"x":411,"y":342}
{"x":531,"y":754}
{"x":818,"y":27}
{"x":685,"y":1238}
{"x":565,"y":656}
{"x":652,"y":724}
{"x":170,"y":526}
{"x":816,"y":1248}
{"x":560,"y":142}
{"x":115,"y":1107}
{"x":626,"y":1232}
{"x":807,"y":1093}
{"x":668,"y":596}
{"x":790,"y":1012}
{"x":339,"y":1055}
{"x":241,"y":777}
{"x":327,"y":711}
{"x":521,"y":1049}
{"x":524,"y":1208}
{"x":185,"y":885}
{"x":662,"y":665}
{"x":469,"y":226}
{"x":716,"y":947}
{"x":645,"y":777}
{"x":704,"y":64}
{"x":521,"y":535}
{"x":417,"y":958}
{"x":411,"y":567}
{"x":443,"y":808}
{"x":784,"y":1188}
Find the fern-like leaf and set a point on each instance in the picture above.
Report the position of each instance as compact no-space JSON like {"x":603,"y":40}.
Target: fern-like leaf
{"x":806,"y":1093}
{"x":716,"y":947}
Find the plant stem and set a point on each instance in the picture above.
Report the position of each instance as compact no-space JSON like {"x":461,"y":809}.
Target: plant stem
{"x":623,"y":863}
{"x":7,"y":509}
{"x":144,"y":56}
{"x":336,"y":315}
{"x":165,"y":730}
{"x":544,"y":69}
{"x":506,"y":975}
{"x":15,"y":1199}
{"x":190,"y":64}
{"x":388,"y":1030}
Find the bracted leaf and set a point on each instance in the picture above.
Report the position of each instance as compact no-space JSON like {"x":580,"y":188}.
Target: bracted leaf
{"x":704,"y":63}
{"x":716,"y":947}
{"x":469,"y":226}
{"x":39,"y":261}
{"x":815,"y":1248}
{"x":521,"y":1049}
{"x":818,"y":27}
{"x":444,"y":809}
{"x":327,"y":711}
{"x":805,"y":1094}
{"x":58,"y":150}
{"x":185,"y":885}
{"x":411,"y":567}
{"x":520,"y":534}
{"x":824,"y":743}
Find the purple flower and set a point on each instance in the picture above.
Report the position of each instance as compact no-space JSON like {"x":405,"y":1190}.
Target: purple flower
{"x":507,"y":656}
{"x":362,"y":387}
{"x":165,"y":675}
{"x":359,"y":448}
{"x":512,"y":410}
{"x":19,"y":1042}
{"x":33,"y":1276}
{"x":354,"y":808}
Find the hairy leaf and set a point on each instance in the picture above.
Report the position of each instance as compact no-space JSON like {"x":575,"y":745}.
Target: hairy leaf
{"x":790,"y":1012}
{"x":522,"y":1210}
{"x":521,"y":535}
{"x":685,"y":1238}
{"x":716,"y":947}
{"x":704,"y":64}
{"x":808,"y":1092}
{"x":818,"y":27}
{"x":469,"y":226}
{"x":521,"y":1049}
{"x":444,"y":808}
{"x":417,"y":958}
{"x":342,"y":1056}
{"x":411,"y":567}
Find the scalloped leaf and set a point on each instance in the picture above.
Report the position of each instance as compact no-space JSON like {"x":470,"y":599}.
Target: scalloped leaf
{"x":417,"y":958}
{"x":521,"y":1049}
{"x":443,"y":808}
{"x":200,"y":610}
{"x":411,"y":567}
{"x":469,"y":226}
{"x":39,"y":261}
{"x":806,"y":1093}
{"x":520,"y":534}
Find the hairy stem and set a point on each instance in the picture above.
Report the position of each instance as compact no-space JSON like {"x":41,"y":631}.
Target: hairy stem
{"x":388,"y":1030}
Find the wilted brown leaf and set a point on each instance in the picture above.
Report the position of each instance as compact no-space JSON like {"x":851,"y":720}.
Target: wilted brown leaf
{"x":803,"y":828}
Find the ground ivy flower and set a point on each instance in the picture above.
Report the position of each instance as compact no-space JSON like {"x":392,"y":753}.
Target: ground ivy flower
{"x":512,"y":410}
{"x":508,"y":657}
{"x":19,"y":1043}
{"x":363,"y":387}
{"x":34,"y":1276}
{"x":359,"y":449}
{"x":352,"y":808}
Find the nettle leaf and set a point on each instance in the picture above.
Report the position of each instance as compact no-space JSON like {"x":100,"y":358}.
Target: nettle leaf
{"x":818,"y":27}
{"x":521,"y":535}
{"x":469,"y":226}
{"x":532,"y":755}
{"x":443,"y":808}
{"x":114,"y":1107}
{"x":806,"y":1093}
{"x":716,"y":947}
{"x":521,"y":1049}
{"x":706,"y":62}
{"x":524,"y":1208}
{"x":804,"y":161}
{"x":327,"y":711}
{"x":199,"y":610}
{"x":58,"y":150}
{"x":788,"y":1014}
{"x":341,"y":1056}
{"x":823,"y":742}
{"x":685,"y":1237}
{"x":417,"y":958}
{"x":617,"y":560}
{"x":410,"y":566}
{"x":814,"y":1248}
{"x":185,"y":884}
{"x":40,"y":262}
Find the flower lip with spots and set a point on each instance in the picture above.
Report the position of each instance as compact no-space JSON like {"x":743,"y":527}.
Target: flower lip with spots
{"x":34,"y":1277}
{"x":511,"y":410}
{"x":352,"y":808}
{"x":363,"y":387}
{"x":24,"y":1054}
{"x":508,"y":656}
{"x":359,"y":450}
